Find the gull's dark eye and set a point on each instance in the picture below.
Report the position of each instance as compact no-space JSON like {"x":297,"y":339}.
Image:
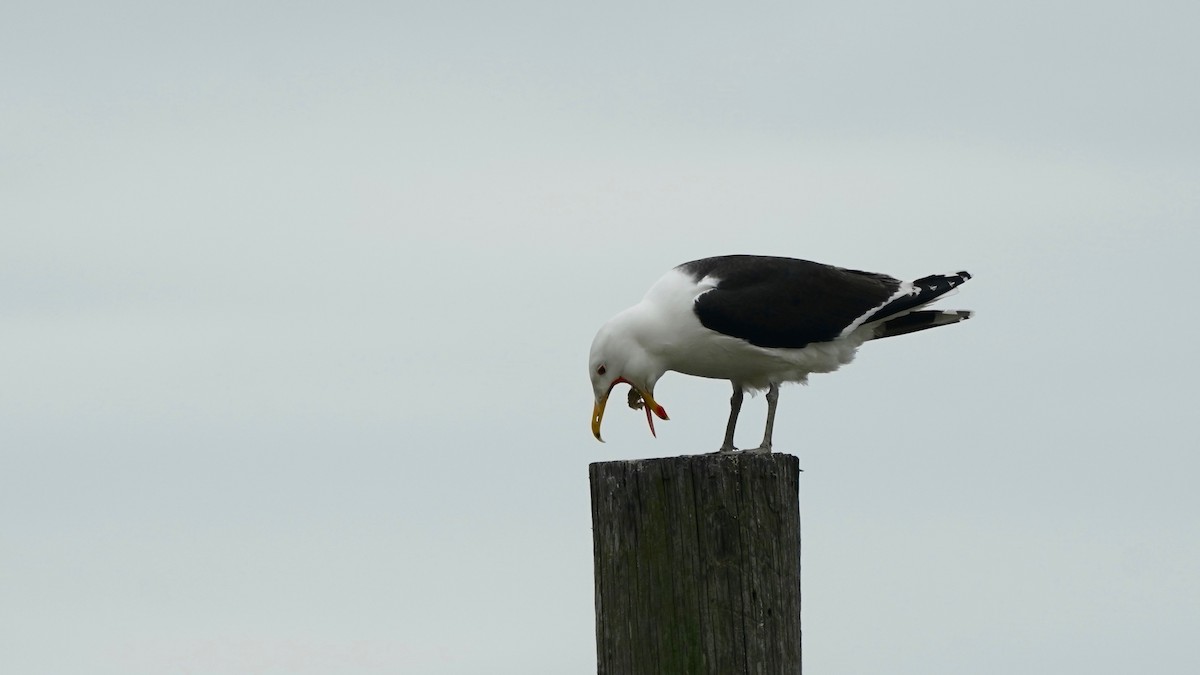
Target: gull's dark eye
{"x":601,"y":370}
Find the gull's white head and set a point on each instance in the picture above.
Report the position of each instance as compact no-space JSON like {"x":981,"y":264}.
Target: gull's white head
{"x":619,"y":357}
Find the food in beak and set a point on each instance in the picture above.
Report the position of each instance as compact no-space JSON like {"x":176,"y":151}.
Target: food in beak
{"x":638,"y":400}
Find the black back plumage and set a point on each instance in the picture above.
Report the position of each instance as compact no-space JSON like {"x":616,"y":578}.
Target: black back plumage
{"x":789,"y":303}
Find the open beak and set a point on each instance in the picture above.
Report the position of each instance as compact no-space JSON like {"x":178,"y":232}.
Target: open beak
{"x":647,"y":402}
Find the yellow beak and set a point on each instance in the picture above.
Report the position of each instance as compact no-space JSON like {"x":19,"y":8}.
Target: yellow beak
{"x":597,"y":416}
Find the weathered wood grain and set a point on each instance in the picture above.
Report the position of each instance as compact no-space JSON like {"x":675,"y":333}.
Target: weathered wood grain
{"x":697,"y":565}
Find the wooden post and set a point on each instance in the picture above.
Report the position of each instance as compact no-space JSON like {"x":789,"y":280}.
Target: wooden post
{"x":697,"y":565}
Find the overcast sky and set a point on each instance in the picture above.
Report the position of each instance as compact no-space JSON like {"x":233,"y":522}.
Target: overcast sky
{"x":296,"y":300}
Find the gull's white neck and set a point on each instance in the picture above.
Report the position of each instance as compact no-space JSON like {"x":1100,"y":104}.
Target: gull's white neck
{"x":663,"y":324}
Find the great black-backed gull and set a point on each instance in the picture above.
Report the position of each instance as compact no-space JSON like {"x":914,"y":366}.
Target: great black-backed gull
{"x":757,"y":321}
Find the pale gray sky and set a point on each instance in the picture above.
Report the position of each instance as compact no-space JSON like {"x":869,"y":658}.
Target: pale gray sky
{"x":296,"y":303}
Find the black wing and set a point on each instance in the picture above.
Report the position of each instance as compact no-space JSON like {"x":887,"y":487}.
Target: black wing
{"x":784,"y":302}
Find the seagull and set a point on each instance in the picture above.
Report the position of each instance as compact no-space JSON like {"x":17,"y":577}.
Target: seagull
{"x":757,"y":321}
